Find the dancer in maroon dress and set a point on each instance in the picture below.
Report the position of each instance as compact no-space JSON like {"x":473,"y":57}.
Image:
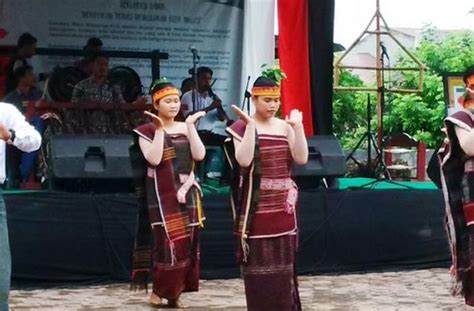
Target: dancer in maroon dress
{"x":264,"y":198}
{"x":458,"y":188}
{"x":173,"y":200}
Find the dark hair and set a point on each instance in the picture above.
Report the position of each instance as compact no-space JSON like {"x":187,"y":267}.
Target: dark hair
{"x":469,"y":72}
{"x":186,"y":81}
{"x":26,"y":39}
{"x":204,"y":69}
{"x":94,"y":41}
{"x":159,"y":85}
{"x":264,"y":81}
{"x":20,"y":72}
{"x":97,"y":55}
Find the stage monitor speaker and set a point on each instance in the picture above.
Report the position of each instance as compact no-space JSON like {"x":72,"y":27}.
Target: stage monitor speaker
{"x":326,"y":160}
{"x":91,"y":162}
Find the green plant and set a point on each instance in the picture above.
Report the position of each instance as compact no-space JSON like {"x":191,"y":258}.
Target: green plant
{"x":274,"y":73}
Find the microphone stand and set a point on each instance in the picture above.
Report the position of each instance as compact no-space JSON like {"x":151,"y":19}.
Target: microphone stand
{"x":196,"y":59}
{"x":247,"y":96}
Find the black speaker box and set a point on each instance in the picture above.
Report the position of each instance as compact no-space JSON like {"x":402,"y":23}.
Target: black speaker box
{"x":91,"y":162}
{"x":326,"y":160}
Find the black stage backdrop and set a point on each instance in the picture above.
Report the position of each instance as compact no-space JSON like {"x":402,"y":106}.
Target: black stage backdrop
{"x":80,"y":237}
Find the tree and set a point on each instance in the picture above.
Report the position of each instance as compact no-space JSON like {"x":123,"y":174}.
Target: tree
{"x":349,"y":111}
{"x":418,"y":115}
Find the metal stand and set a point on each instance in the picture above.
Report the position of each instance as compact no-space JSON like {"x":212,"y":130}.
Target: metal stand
{"x":379,"y":68}
{"x":196,"y":60}
{"x":371,"y":142}
{"x":379,"y":161}
{"x":247,"y":95}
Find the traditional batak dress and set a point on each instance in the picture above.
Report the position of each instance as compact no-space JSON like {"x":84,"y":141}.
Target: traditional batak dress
{"x":458,"y":188}
{"x":264,"y":202}
{"x":171,"y":212}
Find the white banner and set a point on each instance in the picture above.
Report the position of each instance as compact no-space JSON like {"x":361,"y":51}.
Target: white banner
{"x":171,"y":26}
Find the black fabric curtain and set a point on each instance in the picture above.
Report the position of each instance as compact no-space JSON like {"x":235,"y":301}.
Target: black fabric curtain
{"x":85,"y":237}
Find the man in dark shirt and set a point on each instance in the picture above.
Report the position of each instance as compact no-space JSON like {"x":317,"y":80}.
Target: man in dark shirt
{"x":26,"y":48}
{"x":21,"y":164}
{"x":97,"y":90}
{"x":93,"y":46}
{"x":25,"y":88}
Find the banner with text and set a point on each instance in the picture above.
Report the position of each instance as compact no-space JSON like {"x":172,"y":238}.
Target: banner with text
{"x":213,"y":27}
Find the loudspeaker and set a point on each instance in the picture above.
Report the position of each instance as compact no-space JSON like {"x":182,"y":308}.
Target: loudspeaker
{"x":325,"y":160}
{"x":98,"y":163}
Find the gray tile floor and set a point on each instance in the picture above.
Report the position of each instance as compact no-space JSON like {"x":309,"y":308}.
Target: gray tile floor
{"x":408,"y":290}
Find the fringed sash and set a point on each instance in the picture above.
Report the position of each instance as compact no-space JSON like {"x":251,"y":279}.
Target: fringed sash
{"x":245,"y":186}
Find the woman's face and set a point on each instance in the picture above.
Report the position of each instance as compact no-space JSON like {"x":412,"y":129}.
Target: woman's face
{"x":266,"y":106}
{"x":168,"y":106}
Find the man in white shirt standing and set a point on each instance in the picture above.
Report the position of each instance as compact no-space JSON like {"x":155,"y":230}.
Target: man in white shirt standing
{"x":14,"y":130}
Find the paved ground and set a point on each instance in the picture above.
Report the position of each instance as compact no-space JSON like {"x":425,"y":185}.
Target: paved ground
{"x":409,"y":290}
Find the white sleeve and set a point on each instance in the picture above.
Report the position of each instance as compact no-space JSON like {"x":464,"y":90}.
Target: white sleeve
{"x":186,"y":103}
{"x":27,"y":139}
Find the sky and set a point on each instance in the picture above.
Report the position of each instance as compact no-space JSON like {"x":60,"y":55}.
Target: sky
{"x":352,"y":16}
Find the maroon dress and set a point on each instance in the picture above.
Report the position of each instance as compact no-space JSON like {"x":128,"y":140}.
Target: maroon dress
{"x":266,"y":224}
{"x":174,"y":219}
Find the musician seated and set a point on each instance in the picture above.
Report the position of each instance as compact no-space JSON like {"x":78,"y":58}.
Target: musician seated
{"x":25,"y":88}
{"x":25,"y":50}
{"x":93,"y":46}
{"x":20,"y":164}
{"x":97,"y":89}
{"x":206,"y":100}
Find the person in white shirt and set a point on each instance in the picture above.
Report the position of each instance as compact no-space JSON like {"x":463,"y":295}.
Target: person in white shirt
{"x":205,"y":100}
{"x":16,"y":131}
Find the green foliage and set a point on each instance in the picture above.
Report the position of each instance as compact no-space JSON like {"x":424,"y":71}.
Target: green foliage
{"x":418,"y":115}
{"x":350,"y":111}
{"x":274,"y":73}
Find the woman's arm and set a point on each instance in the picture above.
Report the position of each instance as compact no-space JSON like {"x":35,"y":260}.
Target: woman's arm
{"x":244,"y":149}
{"x":296,"y":137}
{"x":153,"y":151}
{"x":298,"y":144}
{"x":198,"y":151}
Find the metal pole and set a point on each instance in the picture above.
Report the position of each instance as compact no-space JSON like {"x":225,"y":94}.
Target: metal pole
{"x":195,"y":79}
{"x":378,"y":58}
{"x":369,"y":133}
